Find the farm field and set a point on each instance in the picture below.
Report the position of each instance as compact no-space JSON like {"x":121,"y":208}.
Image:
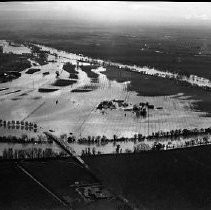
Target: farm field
{"x":61,"y":177}
{"x":18,"y":191}
{"x":49,"y":184}
{"x":176,"y":179}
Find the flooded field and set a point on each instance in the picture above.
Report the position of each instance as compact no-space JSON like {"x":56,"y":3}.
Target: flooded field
{"x":50,"y":98}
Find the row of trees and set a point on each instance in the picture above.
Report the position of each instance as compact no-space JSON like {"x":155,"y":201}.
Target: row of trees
{"x":172,"y":134}
{"x":104,"y":140}
{"x":18,"y":125}
{"x":32,"y":153}
{"x":17,"y":122}
{"x":179,"y":133}
{"x":25,"y":139}
{"x":146,"y":147}
{"x":193,"y":142}
{"x":88,"y":151}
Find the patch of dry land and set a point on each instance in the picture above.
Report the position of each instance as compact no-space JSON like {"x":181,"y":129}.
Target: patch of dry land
{"x":64,"y":110}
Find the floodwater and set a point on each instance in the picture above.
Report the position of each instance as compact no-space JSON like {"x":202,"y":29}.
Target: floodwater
{"x":65,"y":112}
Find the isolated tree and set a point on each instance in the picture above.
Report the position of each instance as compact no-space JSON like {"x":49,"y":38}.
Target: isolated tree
{"x":115,"y":137}
{"x":1,"y":50}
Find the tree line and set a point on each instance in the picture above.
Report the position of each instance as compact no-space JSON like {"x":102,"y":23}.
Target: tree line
{"x":23,"y":125}
{"x":23,"y":139}
{"x":31,"y":153}
{"x":172,"y":134}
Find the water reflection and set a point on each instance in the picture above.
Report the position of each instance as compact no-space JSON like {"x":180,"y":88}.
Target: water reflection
{"x":134,"y":146}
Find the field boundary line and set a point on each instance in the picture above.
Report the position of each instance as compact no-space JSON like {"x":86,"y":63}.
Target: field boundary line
{"x":84,"y":121}
{"x":40,"y":184}
{"x":33,"y":111}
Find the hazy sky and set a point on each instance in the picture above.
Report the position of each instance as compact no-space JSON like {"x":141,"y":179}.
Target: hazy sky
{"x":121,"y":12}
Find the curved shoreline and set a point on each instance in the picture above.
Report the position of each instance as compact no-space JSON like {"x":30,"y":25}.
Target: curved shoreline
{"x":192,"y":79}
